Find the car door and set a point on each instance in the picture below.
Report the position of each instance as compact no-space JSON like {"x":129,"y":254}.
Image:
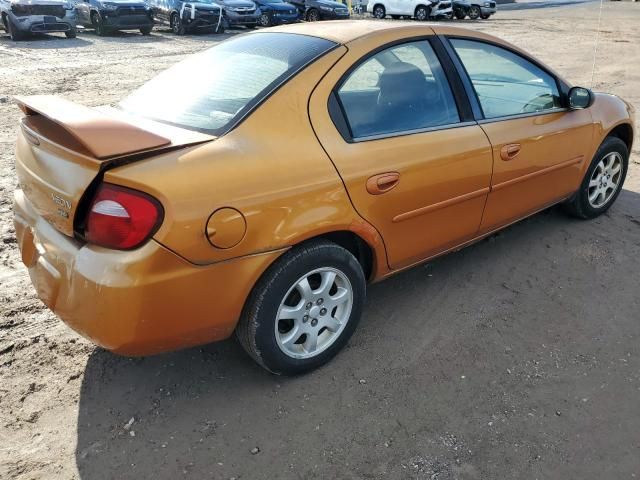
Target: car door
{"x":414,"y":167}
{"x":539,"y":147}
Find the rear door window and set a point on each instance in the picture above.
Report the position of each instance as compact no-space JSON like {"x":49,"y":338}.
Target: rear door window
{"x":400,"y":89}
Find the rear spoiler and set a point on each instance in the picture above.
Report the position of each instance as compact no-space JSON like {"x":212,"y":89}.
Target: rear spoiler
{"x":105,"y":134}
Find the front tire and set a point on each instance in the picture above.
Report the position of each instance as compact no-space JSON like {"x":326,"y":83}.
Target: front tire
{"x":176,"y":24}
{"x":422,"y":13}
{"x":474,"y":12}
{"x":98,"y":26}
{"x":379,"y":12}
{"x":603,"y":181}
{"x":71,"y":33}
{"x":485,"y":17}
{"x":14,"y":33}
{"x":146,"y":30}
{"x":265,"y":20}
{"x":313,"y":15}
{"x":304,"y":309}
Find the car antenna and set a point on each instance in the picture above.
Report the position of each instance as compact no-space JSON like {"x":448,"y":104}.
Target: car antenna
{"x":595,"y":47}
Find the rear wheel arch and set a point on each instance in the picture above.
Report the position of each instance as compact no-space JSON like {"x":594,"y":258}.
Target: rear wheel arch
{"x":353,"y":243}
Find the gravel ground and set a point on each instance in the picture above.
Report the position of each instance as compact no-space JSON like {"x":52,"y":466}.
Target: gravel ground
{"x":516,"y":358}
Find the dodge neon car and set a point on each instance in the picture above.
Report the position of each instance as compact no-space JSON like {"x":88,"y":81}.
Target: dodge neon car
{"x":301,"y":163}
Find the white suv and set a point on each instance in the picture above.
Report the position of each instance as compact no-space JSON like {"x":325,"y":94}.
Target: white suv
{"x":418,"y":9}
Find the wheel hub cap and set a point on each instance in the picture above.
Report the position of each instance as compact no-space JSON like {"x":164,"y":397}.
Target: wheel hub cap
{"x":313,"y":313}
{"x":605,"y":180}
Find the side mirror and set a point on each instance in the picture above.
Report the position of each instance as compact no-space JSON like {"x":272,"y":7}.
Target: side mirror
{"x":580,"y":97}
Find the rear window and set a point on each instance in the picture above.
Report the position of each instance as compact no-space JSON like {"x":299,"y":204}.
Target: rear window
{"x":213,"y":90}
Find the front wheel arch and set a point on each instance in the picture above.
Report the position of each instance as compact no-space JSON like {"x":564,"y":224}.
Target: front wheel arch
{"x":624,"y":132}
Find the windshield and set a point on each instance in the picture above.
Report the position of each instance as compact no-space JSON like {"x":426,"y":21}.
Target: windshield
{"x":211,"y":91}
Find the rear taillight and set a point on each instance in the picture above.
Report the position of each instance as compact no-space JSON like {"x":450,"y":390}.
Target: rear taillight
{"x":122,"y":218}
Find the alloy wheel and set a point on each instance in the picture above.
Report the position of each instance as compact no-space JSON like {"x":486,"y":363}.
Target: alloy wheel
{"x":265,"y":21}
{"x":474,"y":12}
{"x":378,"y":12}
{"x":605,"y":180}
{"x":421,"y":14}
{"x":313,"y":313}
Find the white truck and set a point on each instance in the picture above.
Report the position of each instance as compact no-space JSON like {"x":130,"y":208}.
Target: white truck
{"x":418,"y":9}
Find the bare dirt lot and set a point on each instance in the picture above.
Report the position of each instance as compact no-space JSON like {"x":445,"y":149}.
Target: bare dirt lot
{"x":516,"y":358}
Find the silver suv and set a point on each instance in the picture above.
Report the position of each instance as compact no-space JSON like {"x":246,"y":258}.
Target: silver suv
{"x":21,"y":18}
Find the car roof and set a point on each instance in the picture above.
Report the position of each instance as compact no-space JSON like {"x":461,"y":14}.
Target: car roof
{"x":345,"y":31}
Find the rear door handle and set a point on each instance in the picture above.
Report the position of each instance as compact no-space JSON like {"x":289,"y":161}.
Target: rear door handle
{"x":382,"y":183}
{"x":510,"y":151}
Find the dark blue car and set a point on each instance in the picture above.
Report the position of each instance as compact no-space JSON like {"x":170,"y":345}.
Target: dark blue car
{"x":276,"y":12}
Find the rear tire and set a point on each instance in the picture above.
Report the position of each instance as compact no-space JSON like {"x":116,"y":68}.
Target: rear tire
{"x":304,"y":309}
{"x":603,"y":181}
{"x":146,"y":30}
{"x":460,"y":14}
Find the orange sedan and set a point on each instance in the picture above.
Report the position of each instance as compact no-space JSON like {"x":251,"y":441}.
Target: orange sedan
{"x":292,"y":166}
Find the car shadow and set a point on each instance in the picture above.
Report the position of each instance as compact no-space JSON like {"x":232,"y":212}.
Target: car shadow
{"x":45,"y":41}
{"x":210,"y":412}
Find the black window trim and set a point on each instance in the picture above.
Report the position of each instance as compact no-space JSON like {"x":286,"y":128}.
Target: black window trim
{"x":562,"y":87}
{"x":461,"y":99}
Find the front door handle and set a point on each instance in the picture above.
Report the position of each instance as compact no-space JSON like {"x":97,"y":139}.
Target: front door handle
{"x":382,"y":183}
{"x":510,"y":151}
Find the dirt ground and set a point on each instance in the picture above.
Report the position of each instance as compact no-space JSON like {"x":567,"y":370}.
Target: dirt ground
{"x":516,"y":358}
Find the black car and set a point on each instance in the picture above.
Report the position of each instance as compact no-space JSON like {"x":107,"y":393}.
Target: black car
{"x":183,"y":17}
{"x":277,"y":12}
{"x":110,"y":15}
{"x":314,"y":10}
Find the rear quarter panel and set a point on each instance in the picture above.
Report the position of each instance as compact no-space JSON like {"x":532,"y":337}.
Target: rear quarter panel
{"x":271,"y":168}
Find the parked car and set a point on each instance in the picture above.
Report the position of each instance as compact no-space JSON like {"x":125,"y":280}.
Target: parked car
{"x":474,"y":9}
{"x":277,"y":12}
{"x":106,"y":16}
{"x":21,"y":18}
{"x":418,"y":9}
{"x":240,"y":13}
{"x":159,"y":225}
{"x":184,"y":16}
{"x":315,"y":10}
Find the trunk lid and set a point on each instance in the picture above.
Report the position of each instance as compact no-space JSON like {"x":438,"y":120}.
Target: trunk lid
{"x":63,"y":147}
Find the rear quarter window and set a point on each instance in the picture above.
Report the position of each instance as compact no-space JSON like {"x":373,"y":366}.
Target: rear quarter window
{"x":213,"y":90}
